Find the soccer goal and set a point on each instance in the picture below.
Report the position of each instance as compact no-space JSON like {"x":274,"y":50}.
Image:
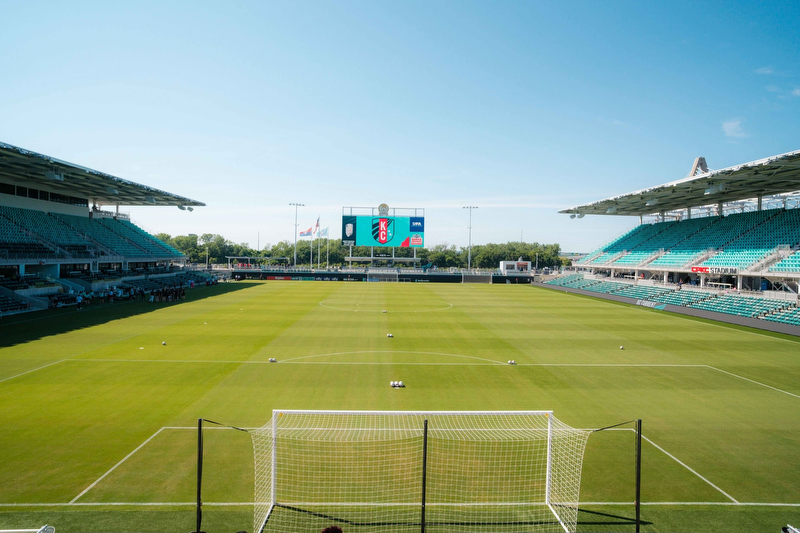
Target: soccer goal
{"x":476,"y":277}
{"x":383,"y":276}
{"x":408,"y":471}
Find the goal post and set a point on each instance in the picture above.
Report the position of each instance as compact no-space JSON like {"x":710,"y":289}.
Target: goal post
{"x":391,"y":276}
{"x":476,"y":277}
{"x":411,"y":471}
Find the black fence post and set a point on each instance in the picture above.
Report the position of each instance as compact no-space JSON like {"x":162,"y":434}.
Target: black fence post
{"x":638,"y":473}
{"x":424,"y":472}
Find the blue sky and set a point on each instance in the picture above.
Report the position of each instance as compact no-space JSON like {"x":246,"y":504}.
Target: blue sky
{"x":520,"y":108}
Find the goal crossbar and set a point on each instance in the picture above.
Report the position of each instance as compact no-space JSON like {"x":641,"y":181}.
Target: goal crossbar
{"x":486,"y":471}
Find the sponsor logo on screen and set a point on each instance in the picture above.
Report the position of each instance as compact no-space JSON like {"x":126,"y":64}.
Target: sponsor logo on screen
{"x":348,"y":230}
{"x":417,"y":224}
{"x":716,"y":270}
{"x":416,"y":240}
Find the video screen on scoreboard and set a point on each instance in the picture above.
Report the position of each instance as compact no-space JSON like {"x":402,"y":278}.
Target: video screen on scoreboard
{"x":400,"y":232}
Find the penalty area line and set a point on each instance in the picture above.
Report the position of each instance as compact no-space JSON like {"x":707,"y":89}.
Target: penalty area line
{"x":98,"y":480}
{"x":752,"y":381}
{"x":33,"y":370}
{"x":690,"y":469}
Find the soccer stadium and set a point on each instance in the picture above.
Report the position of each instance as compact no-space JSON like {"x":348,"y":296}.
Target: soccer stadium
{"x":647,"y":388}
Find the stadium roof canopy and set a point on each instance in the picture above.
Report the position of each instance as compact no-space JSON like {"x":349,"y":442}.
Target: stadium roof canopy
{"x":29,"y":169}
{"x":775,"y":175}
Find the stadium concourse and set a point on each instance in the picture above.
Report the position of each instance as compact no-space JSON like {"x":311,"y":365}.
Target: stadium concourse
{"x":716,"y":243}
{"x":56,"y":241}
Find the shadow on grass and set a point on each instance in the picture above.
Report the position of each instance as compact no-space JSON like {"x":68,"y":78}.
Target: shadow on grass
{"x":606,"y":521}
{"x":26,"y":327}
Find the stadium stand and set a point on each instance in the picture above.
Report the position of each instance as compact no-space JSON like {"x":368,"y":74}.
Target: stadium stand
{"x":630,"y":241}
{"x":789,"y":264}
{"x":683,"y":297}
{"x":746,"y":306}
{"x":790,"y":315}
{"x":769,"y":230}
{"x":642,"y":292}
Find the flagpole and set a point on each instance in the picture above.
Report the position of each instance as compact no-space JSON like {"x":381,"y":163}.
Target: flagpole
{"x":318,"y":243}
{"x":328,"y":254}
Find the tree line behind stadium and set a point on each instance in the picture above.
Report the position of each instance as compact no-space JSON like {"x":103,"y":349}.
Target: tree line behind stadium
{"x":441,"y":255}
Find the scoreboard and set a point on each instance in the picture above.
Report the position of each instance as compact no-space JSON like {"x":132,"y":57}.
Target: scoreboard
{"x":383,"y":229}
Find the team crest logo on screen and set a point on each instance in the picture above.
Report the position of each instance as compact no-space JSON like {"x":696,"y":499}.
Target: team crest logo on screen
{"x":348,"y":230}
{"x":382,"y":229}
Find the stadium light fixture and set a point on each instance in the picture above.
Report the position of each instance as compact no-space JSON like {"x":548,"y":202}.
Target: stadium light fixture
{"x":611,"y":210}
{"x":711,"y":190}
{"x":572,"y":215}
{"x":112,"y":190}
{"x":581,"y":215}
{"x":150,"y":200}
{"x":651,"y":202}
{"x":52,"y":175}
{"x":296,"y":205}
{"x":190,"y":209}
{"x":469,"y":253}
{"x":182,"y":208}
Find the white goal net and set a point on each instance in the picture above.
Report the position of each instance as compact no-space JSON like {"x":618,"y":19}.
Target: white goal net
{"x":412,"y":471}
{"x":476,"y":277}
{"x":383,"y":276}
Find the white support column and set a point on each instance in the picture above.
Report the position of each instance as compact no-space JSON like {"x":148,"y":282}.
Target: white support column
{"x":759,"y":202}
{"x":739,"y":281}
{"x":549,"y":480}
{"x":274,"y":469}
{"x":702,"y":280}
{"x":688,"y":213}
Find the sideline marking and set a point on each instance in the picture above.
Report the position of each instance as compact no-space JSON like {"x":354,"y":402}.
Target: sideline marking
{"x":98,"y":480}
{"x":34,"y":370}
{"x":394,"y":352}
{"x":753,"y":381}
{"x":690,"y":469}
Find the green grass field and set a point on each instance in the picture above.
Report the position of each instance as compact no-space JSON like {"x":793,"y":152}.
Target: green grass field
{"x":96,"y":416}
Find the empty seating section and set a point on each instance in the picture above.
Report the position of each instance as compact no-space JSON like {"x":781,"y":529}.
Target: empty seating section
{"x":790,"y":315}
{"x":10,"y":305}
{"x":606,"y":287}
{"x":783,"y":311}
{"x":75,"y":236}
{"x":672,"y":234}
{"x":782,"y":228}
{"x":641,"y":292}
{"x":789,"y":264}
{"x":600,"y":251}
{"x":717,"y":234}
{"x":139,"y":237}
{"x":98,"y":232}
{"x":683,"y":297}
{"x":630,"y":241}
{"x":746,"y":306}
{"x":562,"y":280}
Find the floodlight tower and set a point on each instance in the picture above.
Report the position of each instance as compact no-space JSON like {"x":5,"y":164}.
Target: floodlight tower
{"x":296,"y":205}
{"x":469,"y":253}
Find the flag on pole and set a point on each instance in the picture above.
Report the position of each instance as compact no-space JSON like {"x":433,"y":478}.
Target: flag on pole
{"x":323,"y":233}
{"x":316,"y":228}
{"x":306,"y":233}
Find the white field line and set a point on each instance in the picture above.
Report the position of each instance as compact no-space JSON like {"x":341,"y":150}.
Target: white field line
{"x":753,"y":381}
{"x":98,"y":480}
{"x":34,"y":370}
{"x":245,"y":504}
{"x":690,"y":469}
{"x":293,"y":359}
